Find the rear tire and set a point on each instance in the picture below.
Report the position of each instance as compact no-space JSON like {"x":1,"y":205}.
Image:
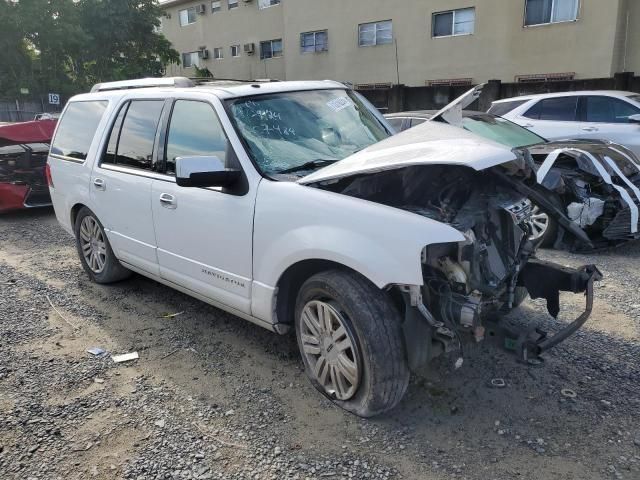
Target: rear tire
{"x":94,"y":250}
{"x":350,"y":338}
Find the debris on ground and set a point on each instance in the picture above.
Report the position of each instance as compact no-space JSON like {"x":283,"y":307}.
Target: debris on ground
{"x":125,"y":357}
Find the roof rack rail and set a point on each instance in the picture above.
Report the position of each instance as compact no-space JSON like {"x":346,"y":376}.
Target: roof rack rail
{"x":201,"y":80}
{"x":178,"y":82}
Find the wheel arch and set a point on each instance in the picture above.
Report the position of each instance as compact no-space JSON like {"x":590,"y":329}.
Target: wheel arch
{"x":295,"y":275}
{"x":74,"y":213}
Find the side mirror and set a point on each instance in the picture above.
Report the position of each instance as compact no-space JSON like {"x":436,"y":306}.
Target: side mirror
{"x":634,"y":118}
{"x":204,"y":171}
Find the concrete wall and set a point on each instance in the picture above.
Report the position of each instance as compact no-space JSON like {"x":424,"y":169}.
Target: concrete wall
{"x":500,"y":48}
{"x":400,"y":98}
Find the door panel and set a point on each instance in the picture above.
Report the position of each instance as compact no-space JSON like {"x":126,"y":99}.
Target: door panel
{"x":553,"y":118}
{"x":607,"y":118}
{"x":121,"y":184}
{"x":205,"y":241}
{"x":123,"y":206}
{"x":204,"y":235}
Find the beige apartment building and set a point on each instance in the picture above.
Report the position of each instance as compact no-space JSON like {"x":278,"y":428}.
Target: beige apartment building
{"x":411,"y":42}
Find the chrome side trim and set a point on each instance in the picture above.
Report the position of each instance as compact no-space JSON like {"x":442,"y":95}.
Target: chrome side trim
{"x":138,"y":173}
{"x":68,"y":159}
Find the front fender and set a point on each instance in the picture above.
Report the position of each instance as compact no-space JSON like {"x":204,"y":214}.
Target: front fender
{"x":295,"y":223}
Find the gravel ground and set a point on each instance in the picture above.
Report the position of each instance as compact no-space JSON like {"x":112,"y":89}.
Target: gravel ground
{"x":213,"y":396}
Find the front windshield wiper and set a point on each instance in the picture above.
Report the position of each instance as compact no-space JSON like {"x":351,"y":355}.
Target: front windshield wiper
{"x":309,"y":165}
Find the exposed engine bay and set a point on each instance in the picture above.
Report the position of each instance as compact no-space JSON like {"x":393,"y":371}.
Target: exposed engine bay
{"x":469,"y":283}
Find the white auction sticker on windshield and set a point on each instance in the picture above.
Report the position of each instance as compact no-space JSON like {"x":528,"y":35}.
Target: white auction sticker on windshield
{"x":339,"y":103}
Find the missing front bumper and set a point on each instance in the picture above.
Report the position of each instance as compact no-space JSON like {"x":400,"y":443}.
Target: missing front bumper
{"x":546,"y":280}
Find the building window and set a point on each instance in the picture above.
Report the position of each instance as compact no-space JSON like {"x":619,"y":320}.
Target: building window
{"x":539,"y":12}
{"x":454,"y":22}
{"x":217,"y":53}
{"x":375,"y":33}
{"x":262,"y":4}
{"x":235,"y":51}
{"x":314,"y":41}
{"x":232,"y":4}
{"x":187,"y":16}
{"x":271,"y":49}
{"x":215,"y":6}
{"x":190,"y":59}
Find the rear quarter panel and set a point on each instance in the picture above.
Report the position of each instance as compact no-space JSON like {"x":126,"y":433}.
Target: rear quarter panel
{"x":71,"y":179}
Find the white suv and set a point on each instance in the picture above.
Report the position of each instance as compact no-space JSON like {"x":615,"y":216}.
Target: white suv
{"x":398,"y":249}
{"x":600,"y":115}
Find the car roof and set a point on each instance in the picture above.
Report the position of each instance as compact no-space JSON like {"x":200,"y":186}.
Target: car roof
{"x":607,"y":93}
{"x":223,"y":89}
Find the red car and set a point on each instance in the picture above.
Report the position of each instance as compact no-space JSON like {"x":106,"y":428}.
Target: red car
{"x":23,"y":158}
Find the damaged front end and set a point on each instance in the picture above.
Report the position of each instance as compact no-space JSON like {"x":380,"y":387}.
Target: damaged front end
{"x":597,"y":184}
{"x":469,"y":284}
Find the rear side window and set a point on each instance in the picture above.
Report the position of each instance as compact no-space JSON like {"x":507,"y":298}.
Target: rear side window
{"x":77,"y":128}
{"x":396,"y":123}
{"x":608,"y":110}
{"x":133,"y":135}
{"x":195,"y":131}
{"x":562,"y":109}
{"x":502,"y":108}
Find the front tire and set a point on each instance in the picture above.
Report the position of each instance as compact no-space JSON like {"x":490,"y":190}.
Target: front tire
{"x":94,"y":250}
{"x":350,"y":338}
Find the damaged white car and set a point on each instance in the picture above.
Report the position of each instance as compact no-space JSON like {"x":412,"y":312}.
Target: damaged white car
{"x":594,"y":182}
{"x":397,"y":250}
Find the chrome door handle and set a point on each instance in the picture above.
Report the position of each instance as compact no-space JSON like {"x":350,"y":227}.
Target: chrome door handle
{"x":168,"y":201}
{"x":589,"y":129}
{"x":99,"y":184}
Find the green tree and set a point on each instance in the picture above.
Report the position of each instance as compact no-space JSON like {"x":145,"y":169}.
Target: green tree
{"x":68,"y":45}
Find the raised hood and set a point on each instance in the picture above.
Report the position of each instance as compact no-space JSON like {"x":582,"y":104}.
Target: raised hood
{"x":426,"y":144}
{"x":452,"y":113}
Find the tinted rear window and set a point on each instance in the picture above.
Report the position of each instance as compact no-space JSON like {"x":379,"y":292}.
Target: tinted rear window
{"x":396,"y":123}
{"x":561,"y":109}
{"x":77,"y":128}
{"x":131,"y":141}
{"x":503,"y":108}
{"x":608,"y":110}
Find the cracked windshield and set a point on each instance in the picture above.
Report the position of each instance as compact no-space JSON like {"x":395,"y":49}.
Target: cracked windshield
{"x":298,"y":132}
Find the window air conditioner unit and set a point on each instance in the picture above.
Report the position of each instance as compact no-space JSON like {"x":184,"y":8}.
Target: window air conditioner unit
{"x":201,"y":9}
{"x":203,"y":54}
{"x":249,"y":48}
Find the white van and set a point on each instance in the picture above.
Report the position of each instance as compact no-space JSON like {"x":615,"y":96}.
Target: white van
{"x":290,"y":204}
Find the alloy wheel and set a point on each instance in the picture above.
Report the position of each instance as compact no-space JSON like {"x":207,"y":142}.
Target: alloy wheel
{"x":94,"y":248}
{"x":539,"y":223}
{"x":330,"y":349}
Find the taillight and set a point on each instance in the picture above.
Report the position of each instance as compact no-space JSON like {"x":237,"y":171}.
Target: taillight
{"x":47,"y":175}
